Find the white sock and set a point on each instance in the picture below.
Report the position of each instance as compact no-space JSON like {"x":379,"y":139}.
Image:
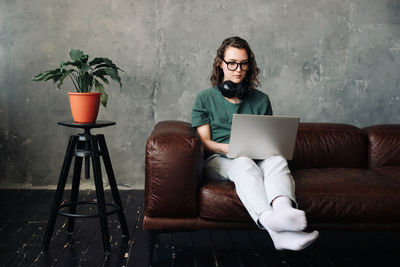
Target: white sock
{"x":292,"y":240}
{"x":283,"y":217}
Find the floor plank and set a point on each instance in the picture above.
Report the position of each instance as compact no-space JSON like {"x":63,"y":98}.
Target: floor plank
{"x":224,"y":249}
{"x":34,"y":210}
{"x":77,"y":244}
{"x":204,"y":253}
{"x":183,"y":252}
{"x":246,"y":250}
{"x":25,"y":217}
{"x":135,"y":253}
{"x":263,"y":242}
{"x":10,"y":199}
{"x":163,"y":250}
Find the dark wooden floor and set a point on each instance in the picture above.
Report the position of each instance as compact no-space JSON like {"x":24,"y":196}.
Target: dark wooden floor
{"x":24,"y":214}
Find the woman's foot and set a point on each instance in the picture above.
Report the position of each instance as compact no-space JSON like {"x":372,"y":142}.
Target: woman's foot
{"x":292,"y":240}
{"x":289,"y":219}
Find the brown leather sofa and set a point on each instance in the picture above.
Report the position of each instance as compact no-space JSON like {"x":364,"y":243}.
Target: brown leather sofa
{"x":346,"y":179}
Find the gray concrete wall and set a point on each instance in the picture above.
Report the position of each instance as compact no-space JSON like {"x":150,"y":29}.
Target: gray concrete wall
{"x":326,"y":61}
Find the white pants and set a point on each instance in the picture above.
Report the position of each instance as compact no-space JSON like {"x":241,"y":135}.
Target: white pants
{"x":257,"y":183}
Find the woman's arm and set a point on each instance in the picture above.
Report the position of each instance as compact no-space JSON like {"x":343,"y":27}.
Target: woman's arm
{"x":204,"y":132}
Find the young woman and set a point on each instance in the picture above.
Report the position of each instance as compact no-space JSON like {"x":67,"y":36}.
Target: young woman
{"x":265,"y":187}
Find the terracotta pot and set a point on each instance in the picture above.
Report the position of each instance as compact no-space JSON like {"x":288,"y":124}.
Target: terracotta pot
{"x":84,"y":106}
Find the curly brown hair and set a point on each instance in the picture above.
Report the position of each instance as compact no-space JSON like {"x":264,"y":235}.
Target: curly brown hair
{"x":217,"y":74}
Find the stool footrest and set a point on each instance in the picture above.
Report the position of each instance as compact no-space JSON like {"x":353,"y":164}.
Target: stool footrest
{"x":82,"y":153}
{"x":115,"y":209}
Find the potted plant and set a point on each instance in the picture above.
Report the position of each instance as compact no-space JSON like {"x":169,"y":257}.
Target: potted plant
{"x":84,"y":74}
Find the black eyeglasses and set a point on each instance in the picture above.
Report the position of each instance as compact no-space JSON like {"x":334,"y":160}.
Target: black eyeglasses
{"x":232,"y":66}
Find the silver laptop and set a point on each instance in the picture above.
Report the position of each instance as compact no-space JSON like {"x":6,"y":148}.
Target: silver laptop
{"x":262,"y":136}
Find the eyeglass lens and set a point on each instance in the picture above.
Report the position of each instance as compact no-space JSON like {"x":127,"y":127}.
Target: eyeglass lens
{"x":234,"y":65}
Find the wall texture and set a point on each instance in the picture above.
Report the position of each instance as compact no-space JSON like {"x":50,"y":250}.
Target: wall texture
{"x":326,"y":61}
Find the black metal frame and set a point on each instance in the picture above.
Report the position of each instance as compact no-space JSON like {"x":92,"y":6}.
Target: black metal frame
{"x":86,"y":146}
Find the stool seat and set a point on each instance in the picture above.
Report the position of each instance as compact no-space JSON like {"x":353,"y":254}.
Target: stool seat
{"x":89,"y":147}
{"x":97,"y":124}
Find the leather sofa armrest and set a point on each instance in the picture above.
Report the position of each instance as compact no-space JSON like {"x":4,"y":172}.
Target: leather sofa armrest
{"x":173,"y":170}
{"x":384,"y":145}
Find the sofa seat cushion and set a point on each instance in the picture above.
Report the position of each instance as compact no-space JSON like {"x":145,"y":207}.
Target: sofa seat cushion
{"x":389,"y":171}
{"x":347,"y":195}
{"x":219,"y":201}
{"x":329,"y":195}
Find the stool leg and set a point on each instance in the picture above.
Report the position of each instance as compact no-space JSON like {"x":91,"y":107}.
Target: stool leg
{"x":100,"y":194}
{"x":59,"y":193}
{"x":113,"y":184}
{"x":74,"y":191}
{"x":87,"y":162}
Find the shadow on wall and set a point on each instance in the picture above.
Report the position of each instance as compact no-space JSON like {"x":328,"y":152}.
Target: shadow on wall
{"x":393,"y":7}
{"x":11,"y":156}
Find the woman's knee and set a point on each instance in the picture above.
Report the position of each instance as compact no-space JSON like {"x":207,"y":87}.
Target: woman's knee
{"x":244,"y":169}
{"x":244,"y":162}
{"x":273,"y":162}
{"x":218,"y":168}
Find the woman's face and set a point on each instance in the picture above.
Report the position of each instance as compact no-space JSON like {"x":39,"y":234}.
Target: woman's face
{"x":235,"y":55}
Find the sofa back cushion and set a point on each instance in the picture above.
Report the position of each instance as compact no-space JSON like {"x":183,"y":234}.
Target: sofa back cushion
{"x":384,"y":145}
{"x":326,"y":145}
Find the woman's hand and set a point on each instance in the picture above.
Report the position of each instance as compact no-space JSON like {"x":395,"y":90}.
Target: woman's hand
{"x":225,"y":148}
{"x":204,"y":132}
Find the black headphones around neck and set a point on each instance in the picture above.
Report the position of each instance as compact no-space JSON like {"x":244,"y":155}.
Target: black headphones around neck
{"x":230,"y":89}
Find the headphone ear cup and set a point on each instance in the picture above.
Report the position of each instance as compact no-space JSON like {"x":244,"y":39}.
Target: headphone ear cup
{"x":227,"y":89}
{"x":242,"y":89}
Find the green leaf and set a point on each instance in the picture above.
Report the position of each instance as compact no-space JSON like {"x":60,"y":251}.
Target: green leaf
{"x":74,"y":79}
{"x":90,"y":82}
{"x":96,"y":60}
{"x":114,"y":75}
{"x":75,"y":54}
{"x":84,"y":67}
{"x":84,"y":58}
{"x":100,"y":89}
{"x":40,"y":76}
{"x":79,"y":81}
{"x":104,"y":62}
{"x":87,"y":82}
{"x":62,"y":78}
{"x":69,"y":63}
{"x":47,"y":75}
{"x":99,"y":60}
{"x":55,"y":77}
{"x":100,"y":74}
{"x":106,"y":66}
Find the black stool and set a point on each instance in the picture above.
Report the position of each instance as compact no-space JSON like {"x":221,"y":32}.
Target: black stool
{"x":86,"y":146}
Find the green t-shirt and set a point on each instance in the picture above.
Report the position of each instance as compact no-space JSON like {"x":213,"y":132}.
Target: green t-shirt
{"x":210,"y":107}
